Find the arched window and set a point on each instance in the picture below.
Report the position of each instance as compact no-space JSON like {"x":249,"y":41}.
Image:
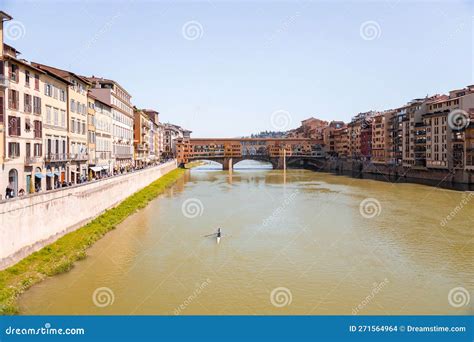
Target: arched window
{"x":13,"y":182}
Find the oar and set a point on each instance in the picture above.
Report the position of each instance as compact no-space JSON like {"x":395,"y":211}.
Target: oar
{"x":210,"y":235}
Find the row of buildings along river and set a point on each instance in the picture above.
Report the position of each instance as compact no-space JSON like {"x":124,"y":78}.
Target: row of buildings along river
{"x":431,"y":133}
{"x":59,"y":128}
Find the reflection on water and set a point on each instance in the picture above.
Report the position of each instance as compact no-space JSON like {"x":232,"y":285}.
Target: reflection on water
{"x":304,"y":237}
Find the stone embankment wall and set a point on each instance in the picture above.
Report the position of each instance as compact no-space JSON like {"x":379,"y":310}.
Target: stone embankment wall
{"x":394,"y":173}
{"x":30,"y":223}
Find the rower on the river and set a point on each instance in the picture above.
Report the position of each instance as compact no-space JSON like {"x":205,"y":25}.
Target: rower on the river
{"x":217,"y":235}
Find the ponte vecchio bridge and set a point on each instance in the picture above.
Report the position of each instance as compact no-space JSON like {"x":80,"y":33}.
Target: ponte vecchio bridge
{"x":229,"y":151}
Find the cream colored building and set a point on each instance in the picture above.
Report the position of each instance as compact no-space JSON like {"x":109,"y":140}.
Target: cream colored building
{"x":445,"y":146}
{"x":115,"y":96}
{"x":104,"y":161}
{"x":91,"y":132}
{"x":77,"y":122}
{"x":154,"y":149}
{"x":55,"y":135}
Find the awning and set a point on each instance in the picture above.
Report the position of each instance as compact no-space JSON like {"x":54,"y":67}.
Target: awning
{"x":56,"y":173}
{"x":96,"y":168}
{"x":105,"y":167}
{"x":49,"y":174}
{"x":39,"y":175}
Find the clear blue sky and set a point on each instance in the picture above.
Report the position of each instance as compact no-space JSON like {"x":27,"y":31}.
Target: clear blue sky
{"x":255,"y":57}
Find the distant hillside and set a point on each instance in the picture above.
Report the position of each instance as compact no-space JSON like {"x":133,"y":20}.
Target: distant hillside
{"x":269,"y":134}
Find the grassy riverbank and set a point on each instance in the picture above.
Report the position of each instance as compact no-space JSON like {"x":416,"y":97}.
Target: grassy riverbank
{"x":59,"y":257}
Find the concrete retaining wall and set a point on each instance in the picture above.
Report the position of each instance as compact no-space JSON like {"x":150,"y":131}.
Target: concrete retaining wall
{"x":28,"y":224}
{"x":457,"y":179}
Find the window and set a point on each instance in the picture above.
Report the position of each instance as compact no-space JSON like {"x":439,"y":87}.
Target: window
{"x":37,"y":105}
{"x":62,"y":95}
{"x":56,"y":117}
{"x":38,"y":150}
{"x":14,"y":126}
{"x":13,"y":150}
{"x":73,"y":125}
{"x":27,"y":78}
{"x":83,"y":128}
{"x":63,"y":118}
{"x":13,"y":99}
{"x":73,"y":106}
{"x":55,"y":92}
{"x":13,"y":72}
{"x":48,"y":89}
{"x":27,"y":103}
{"x":28,"y":149}
{"x":48,"y":146}
{"x":48,"y":115}
{"x":37,"y":82}
{"x":38,"y":129}
{"x":27,"y":125}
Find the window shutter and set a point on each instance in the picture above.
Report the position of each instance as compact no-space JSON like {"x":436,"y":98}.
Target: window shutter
{"x":1,"y":109}
{"x":18,"y":126}
{"x":11,"y":124}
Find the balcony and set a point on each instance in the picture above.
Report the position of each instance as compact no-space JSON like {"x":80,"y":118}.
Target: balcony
{"x":56,"y":157}
{"x":4,"y":82}
{"x":78,"y":156}
{"x":33,"y":160}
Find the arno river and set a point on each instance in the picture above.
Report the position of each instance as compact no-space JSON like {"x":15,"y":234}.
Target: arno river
{"x":298,"y":242}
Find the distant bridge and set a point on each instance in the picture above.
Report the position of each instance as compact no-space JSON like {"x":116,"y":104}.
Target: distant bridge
{"x":228,"y":151}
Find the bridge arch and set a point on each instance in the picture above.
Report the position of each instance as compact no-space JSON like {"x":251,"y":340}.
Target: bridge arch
{"x":257,"y":161}
{"x":210,"y":162}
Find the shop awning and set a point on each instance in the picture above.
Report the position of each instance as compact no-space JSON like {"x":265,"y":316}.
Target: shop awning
{"x":105,"y":167}
{"x":39,"y":175}
{"x":49,"y":174}
{"x":56,"y":173}
{"x":96,"y":168}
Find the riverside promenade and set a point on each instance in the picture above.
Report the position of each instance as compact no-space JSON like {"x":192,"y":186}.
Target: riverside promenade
{"x":32,"y":222}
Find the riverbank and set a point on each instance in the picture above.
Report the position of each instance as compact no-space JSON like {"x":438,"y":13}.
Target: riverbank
{"x":60,"y":256}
